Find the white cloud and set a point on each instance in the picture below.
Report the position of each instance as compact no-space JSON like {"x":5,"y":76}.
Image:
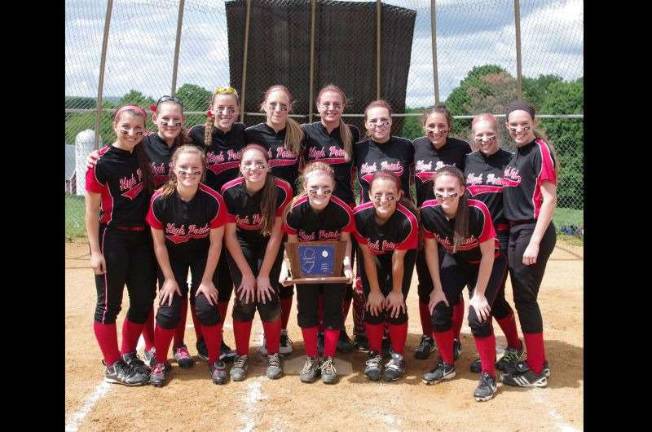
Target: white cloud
{"x":470,"y":33}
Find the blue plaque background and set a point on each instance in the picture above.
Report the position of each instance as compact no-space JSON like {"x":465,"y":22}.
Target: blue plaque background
{"x":317,"y":260}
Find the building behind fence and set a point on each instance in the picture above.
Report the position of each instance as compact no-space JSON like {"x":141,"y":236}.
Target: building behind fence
{"x":137,"y":50}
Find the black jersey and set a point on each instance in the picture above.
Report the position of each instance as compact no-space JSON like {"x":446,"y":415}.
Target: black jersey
{"x":328,"y":224}
{"x":396,"y":155}
{"x":427,"y":159}
{"x":245,"y":210}
{"x":159,"y":154}
{"x":481,"y":228}
{"x":400,"y":232}
{"x":283,"y":162}
{"x":118,"y":179}
{"x":484,"y":182}
{"x":223,"y":155}
{"x":319,"y":145}
{"x":187,"y":225}
{"x":531,"y":165}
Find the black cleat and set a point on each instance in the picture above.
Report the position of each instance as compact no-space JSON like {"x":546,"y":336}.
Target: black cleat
{"x":512,"y":356}
{"x":202,"y":350}
{"x":374,"y":366}
{"x":361,"y":342}
{"x":441,"y":372}
{"x":394,"y":368}
{"x":457,"y":348}
{"x":226,"y":353}
{"x":159,"y":375}
{"x":425,"y":347}
{"x":121,"y":373}
{"x":476,"y":366}
{"x":523,"y":376}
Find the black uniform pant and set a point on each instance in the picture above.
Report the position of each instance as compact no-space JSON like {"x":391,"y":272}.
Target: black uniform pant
{"x":384,"y":271}
{"x":454,"y":275}
{"x":526,"y":280}
{"x":129,"y":257}
{"x":271,"y":309}
{"x":222,"y":278}
{"x":500,"y":308}
{"x":168,"y":316}
{"x":308,"y":304}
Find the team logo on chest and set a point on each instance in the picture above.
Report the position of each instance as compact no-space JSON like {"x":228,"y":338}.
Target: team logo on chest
{"x":511,"y":177}
{"x":425,"y":171}
{"x":223,"y":161}
{"x":130,"y":187}
{"x":368,"y":171}
{"x":182,"y":234}
{"x":249,"y":222}
{"x":379,"y":246}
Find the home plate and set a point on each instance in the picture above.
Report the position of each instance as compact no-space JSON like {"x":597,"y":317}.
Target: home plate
{"x":294,"y":365}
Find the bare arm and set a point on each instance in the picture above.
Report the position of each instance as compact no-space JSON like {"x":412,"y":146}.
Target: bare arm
{"x":246,"y":290}
{"x":432,"y":261}
{"x":207,"y":287}
{"x":93,"y":231}
{"x":375,"y":299}
{"x":265,"y":288}
{"x":479,"y":301}
{"x":549,"y":194}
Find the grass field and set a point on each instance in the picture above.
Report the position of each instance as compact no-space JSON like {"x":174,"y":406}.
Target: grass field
{"x":75,"y":218}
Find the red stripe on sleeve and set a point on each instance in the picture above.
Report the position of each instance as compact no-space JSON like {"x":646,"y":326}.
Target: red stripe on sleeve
{"x":412,"y":240}
{"x":488,"y":232}
{"x":151,"y":218}
{"x":92,"y":183}
{"x":287,"y":189}
{"x":547,"y":163}
{"x":220,"y":217}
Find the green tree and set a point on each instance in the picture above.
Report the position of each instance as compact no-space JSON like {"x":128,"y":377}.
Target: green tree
{"x":412,"y":125}
{"x":535,"y":90}
{"x":194,"y":97}
{"x":134,"y":97}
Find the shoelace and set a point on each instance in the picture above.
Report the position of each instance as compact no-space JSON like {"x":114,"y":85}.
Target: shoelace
{"x":240,"y":362}
{"x":182,"y":352}
{"x":159,"y":368}
{"x":374,"y":361}
{"x":308,"y":365}
{"x":274,"y":360}
{"x":328,"y":367}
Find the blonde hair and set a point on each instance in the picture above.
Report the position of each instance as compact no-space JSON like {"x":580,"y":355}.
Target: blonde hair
{"x":345,"y":131}
{"x":293,"y":131}
{"x":171,"y":185}
{"x":210,"y":119}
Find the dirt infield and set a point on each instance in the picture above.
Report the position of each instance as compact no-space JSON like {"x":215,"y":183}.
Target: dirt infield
{"x":190,"y":402}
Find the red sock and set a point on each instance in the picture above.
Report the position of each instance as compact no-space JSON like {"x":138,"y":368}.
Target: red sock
{"x":486,"y":347}
{"x":375,"y":336}
{"x":180,"y":331}
{"x":195,"y":322}
{"x":221,"y":309}
{"x":310,"y":340}
{"x":213,"y":338}
{"x":242,"y":331}
{"x":286,"y":307}
{"x":148,"y":331}
{"x":346,"y":306}
{"x":130,"y":333}
{"x":330,"y":341}
{"x":426,"y":318}
{"x":445,"y":345}
{"x":397,"y":336}
{"x":320,"y":312}
{"x":458,"y":317}
{"x":107,"y":338}
{"x":163,"y":339}
{"x":508,"y":326}
{"x":272,"y":331}
{"x":535,"y":351}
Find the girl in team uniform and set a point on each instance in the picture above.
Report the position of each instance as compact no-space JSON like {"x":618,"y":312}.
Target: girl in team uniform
{"x":330,"y":140}
{"x":119,"y":186}
{"x":223,"y":139}
{"x":255,"y":204}
{"x":387,"y":233}
{"x":187,"y":221}
{"x":529,"y":199}
{"x":317,"y":215}
{"x":281,"y":136}
{"x":435,"y":150}
{"x":167,"y":115}
{"x":483,"y":170}
{"x":466,"y":232}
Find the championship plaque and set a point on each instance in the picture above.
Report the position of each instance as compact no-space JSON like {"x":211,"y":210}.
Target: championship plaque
{"x":316,"y":262}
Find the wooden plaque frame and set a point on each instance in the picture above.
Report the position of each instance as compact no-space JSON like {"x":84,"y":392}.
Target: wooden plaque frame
{"x":298,"y":276}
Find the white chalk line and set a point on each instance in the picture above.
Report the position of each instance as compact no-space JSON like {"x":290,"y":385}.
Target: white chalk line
{"x":560,"y":422}
{"x":78,"y":417}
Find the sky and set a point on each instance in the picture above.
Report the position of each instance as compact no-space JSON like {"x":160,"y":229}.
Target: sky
{"x":469,"y":33}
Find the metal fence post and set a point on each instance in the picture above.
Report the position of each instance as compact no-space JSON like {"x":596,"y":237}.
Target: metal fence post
{"x":519,"y":72}
{"x":244,"y":61}
{"x":433,"y":30}
{"x":177,"y":45}
{"x":378,"y":36}
{"x":100,"y":84}
{"x":313,"y":7}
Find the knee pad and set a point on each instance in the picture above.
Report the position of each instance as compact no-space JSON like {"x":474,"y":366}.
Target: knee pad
{"x":442,"y":317}
{"x":206,"y":313}
{"x":501,"y":309}
{"x":371,"y":319}
{"x":138,"y":312}
{"x":269,"y":311}
{"x":400,"y":319}
{"x":244,"y":311}
{"x":479,"y":329}
{"x":168,"y":316}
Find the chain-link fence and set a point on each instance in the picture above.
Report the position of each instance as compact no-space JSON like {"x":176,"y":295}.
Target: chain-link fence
{"x":306,"y":44}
